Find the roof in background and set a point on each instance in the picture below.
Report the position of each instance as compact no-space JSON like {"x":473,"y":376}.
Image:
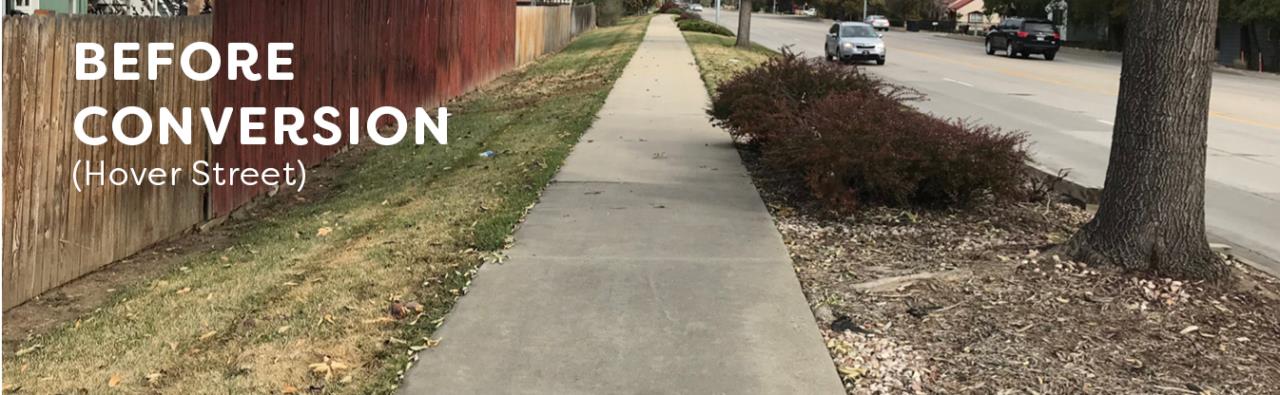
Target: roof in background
{"x":958,"y":4}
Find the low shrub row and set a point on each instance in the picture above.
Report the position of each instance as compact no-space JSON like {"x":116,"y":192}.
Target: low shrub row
{"x":686,"y":15}
{"x":699,"y":25}
{"x":854,"y":140}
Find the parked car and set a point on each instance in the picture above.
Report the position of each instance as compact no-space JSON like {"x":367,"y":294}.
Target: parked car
{"x":878,"y":21}
{"x":695,"y":7}
{"x":1023,"y":37}
{"x":809,"y":12}
{"x":855,"y":41}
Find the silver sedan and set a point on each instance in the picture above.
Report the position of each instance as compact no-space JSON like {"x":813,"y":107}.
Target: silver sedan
{"x":855,"y":41}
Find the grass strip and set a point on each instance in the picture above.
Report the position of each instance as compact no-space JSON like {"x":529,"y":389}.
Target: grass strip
{"x":299,"y":301}
{"x":718,"y":59}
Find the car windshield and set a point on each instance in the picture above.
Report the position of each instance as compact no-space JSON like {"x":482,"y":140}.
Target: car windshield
{"x":876,"y":17}
{"x":857,"y":31}
{"x":1037,"y":27}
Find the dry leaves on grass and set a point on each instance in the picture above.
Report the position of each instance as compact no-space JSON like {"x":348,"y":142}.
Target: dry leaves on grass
{"x":873,"y":364}
{"x":327,"y":368}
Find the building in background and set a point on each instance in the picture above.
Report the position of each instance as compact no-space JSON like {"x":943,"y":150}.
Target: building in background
{"x":108,"y":7}
{"x":138,"y":7}
{"x":971,"y":15}
{"x":46,"y":7}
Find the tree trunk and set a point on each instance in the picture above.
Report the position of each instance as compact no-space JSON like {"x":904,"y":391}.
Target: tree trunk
{"x":1151,"y":215}
{"x":744,"y":24}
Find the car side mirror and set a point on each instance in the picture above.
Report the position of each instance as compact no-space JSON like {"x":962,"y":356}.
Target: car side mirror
{"x":831,"y":34}
{"x":881,"y":35}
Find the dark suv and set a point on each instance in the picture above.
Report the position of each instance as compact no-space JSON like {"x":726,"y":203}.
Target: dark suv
{"x":1023,"y":37}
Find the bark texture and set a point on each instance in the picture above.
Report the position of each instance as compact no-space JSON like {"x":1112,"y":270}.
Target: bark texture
{"x":744,"y":24}
{"x":1151,"y":215}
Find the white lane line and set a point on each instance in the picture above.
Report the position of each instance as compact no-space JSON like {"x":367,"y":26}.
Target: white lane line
{"x":1106,"y":122}
{"x":958,"y":82}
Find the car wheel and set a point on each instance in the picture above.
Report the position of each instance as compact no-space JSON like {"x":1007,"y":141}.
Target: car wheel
{"x":990,"y":50}
{"x":880,"y":61}
{"x":1008,"y":50}
{"x":1050,"y":55}
{"x":1024,"y":55}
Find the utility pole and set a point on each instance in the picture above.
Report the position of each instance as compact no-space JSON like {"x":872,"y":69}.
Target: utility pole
{"x":864,"y":10}
{"x":717,"y":12}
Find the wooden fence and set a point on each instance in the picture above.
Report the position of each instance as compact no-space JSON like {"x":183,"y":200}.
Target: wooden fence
{"x":400,"y":53}
{"x":52,"y":233}
{"x":542,"y":30}
{"x":584,"y":19}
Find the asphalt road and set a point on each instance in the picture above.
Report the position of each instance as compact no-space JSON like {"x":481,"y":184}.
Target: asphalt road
{"x":1067,"y":107}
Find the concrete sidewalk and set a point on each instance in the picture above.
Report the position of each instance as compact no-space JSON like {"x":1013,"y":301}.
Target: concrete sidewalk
{"x":649,"y":266}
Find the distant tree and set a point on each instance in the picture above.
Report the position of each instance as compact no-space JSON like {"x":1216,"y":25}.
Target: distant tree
{"x":744,"y":24}
{"x":916,"y":9}
{"x":1151,"y":216}
{"x":1022,"y":8}
{"x":634,"y":7}
{"x":1250,"y":11}
{"x":844,"y":10}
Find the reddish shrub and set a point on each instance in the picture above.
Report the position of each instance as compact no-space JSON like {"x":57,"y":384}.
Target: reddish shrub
{"x":669,"y":7}
{"x":866,"y":147}
{"x":754,"y":106}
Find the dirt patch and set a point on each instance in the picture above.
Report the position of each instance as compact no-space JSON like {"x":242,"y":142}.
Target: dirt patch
{"x":67,"y":303}
{"x":967,"y":301}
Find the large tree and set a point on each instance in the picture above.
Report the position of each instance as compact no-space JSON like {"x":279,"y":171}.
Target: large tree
{"x":744,"y":24}
{"x":1151,"y":216}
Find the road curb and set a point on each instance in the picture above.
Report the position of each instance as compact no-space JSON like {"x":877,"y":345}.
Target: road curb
{"x":1086,"y":196}
{"x":1061,"y":184}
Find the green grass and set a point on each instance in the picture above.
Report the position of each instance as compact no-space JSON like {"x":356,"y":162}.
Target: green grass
{"x":406,"y":222}
{"x":718,"y":59}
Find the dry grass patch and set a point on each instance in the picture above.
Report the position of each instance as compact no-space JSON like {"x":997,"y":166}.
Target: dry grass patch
{"x":299,"y":300}
{"x":718,"y":59}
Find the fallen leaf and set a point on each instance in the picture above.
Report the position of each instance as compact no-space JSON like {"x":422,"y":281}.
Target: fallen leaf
{"x":397,"y":310}
{"x":27,"y":350}
{"x":851,"y":372}
{"x":289,"y":389}
{"x":325,"y":231}
{"x":327,"y":368}
{"x":208,"y":335}
{"x":114,"y":380}
{"x":282,"y":329}
{"x":1189,"y":329}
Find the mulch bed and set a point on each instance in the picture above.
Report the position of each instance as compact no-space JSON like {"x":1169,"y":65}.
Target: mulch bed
{"x":973,"y":301}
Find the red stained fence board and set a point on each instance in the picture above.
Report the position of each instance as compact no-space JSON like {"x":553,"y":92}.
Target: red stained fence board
{"x":365,"y":54}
